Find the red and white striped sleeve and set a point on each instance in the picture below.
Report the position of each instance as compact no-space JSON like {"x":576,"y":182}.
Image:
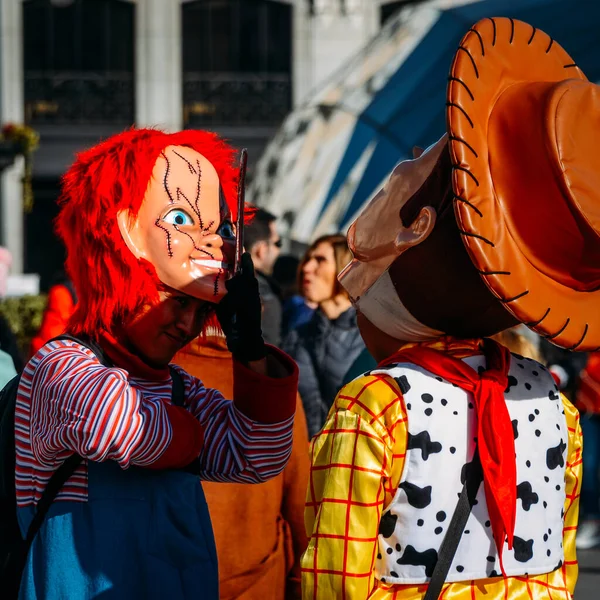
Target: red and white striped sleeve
{"x":249,"y":439}
{"x":79,"y":405}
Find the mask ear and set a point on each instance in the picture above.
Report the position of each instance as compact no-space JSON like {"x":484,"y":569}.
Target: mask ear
{"x":128,"y":229}
{"x":418,"y":231}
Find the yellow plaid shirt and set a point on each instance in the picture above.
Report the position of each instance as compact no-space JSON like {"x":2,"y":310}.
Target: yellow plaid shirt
{"x":357,"y":461}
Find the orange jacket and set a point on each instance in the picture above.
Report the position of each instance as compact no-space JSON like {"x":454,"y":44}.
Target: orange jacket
{"x":259,"y":529}
{"x":58,"y":311}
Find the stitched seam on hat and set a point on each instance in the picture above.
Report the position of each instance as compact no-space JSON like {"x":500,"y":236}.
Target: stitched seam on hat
{"x":507,"y":300}
{"x":512,"y":30}
{"x":457,"y":139}
{"x":494,"y":25}
{"x":451,"y":78}
{"x":581,"y":340}
{"x":460,"y":199}
{"x":480,"y":40}
{"x":462,"y":110}
{"x":472,"y":60}
{"x":476,"y":235}
{"x":532,"y":36}
{"x":553,"y":335}
{"x":536,"y":323}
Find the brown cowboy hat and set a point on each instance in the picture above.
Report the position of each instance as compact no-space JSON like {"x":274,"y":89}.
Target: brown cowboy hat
{"x":523,"y":123}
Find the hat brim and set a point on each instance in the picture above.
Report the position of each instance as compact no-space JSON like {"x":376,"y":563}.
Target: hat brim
{"x":495,"y":54}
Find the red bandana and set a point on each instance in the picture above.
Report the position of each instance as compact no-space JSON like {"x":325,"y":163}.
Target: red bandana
{"x":495,"y":438}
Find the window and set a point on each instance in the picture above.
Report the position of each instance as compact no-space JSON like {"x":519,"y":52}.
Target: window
{"x":237,"y":57}
{"x":78,"y":59}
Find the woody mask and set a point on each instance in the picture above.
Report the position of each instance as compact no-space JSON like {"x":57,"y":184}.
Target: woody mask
{"x":379,"y":236}
{"x":183,"y":227}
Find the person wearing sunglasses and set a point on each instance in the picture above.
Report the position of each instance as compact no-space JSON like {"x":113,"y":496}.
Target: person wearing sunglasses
{"x":263,"y":243}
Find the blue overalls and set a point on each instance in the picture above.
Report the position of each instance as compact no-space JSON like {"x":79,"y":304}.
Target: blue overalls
{"x":142,"y":534}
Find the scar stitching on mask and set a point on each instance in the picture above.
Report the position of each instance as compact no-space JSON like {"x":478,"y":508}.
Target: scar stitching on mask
{"x":180,"y":193}
{"x":198,"y":185}
{"x":193,"y":241}
{"x":165,"y":183}
{"x":189,"y":164}
{"x":207,"y":228}
{"x":160,"y":226}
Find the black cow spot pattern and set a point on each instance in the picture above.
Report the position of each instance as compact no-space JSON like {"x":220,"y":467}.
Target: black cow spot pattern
{"x":554,"y":456}
{"x":515,"y":424}
{"x":422,"y":441}
{"x":417,"y":497}
{"x":512,"y":382}
{"x":523,"y":549}
{"x":403,"y":384}
{"x":553,"y":395}
{"x":387,"y":525}
{"x":427,"y":559}
{"x":526,"y":494}
{"x":428,"y":398}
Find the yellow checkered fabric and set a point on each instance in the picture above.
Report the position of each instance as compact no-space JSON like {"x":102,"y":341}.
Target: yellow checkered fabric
{"x":357,"y":461}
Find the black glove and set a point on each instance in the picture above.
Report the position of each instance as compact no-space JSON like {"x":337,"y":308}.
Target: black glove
{"x":239,"y":314}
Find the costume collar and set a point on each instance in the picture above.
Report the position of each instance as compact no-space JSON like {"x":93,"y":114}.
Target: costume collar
{"x":124,"y":359}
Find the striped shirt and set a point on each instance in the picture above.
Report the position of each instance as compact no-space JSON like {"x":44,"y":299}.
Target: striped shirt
{"x":69,"y":402}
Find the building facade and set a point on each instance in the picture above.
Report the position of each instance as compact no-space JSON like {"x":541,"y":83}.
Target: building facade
{"x":79,"y":70}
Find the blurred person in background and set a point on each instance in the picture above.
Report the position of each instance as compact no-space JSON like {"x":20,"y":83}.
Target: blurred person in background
{"x":330,"y":342}
{"x":263,"y":243}
{"x":62,"y":300}
{"x":588,"y":403}
{"x":296,"y":310}
{"x":271,"y":532}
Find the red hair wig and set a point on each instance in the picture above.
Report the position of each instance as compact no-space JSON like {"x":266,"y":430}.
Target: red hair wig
{"x":112,"y":284}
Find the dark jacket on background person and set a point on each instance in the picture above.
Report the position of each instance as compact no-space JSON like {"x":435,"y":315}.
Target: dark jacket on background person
{"x":324,"y":351}
{"x":270,"y":298}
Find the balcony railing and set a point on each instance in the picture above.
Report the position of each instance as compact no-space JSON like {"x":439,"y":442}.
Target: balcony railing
{"x":79,"y":98}
{"x":235,"y":98}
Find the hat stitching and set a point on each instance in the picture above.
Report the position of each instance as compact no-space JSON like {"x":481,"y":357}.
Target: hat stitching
{"x":472,"y":60}
{"x":461,"y":168}
{"x":532,"y":36}
{"x":553,"y":335}
{"x":581,"y":340}
{"x":549,"y":45}
{"x":457,"y":139}
{"x":536,"y":323}
{"x":570,"y":65}
{"x":494,"y":272}
{"x":463,"y":84}
{"x":507,"y":300}
{"x":476,"y":235}
{"x":512,"y":30}
{"x":494,"y":25}
{"x":469,"y":204}
{"x":462,"y":110}
{"x":480,"y":40}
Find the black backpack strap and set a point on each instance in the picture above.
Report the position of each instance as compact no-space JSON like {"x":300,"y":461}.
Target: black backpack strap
{"x":88,"y":342}
{"x":58,"y":479}
{"x":178,"y":389}
{"x":68,"y":467}
{"x":449,"y":546}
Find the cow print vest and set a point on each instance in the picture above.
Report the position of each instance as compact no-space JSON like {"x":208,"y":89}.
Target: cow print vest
{"x":441,"y":443}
